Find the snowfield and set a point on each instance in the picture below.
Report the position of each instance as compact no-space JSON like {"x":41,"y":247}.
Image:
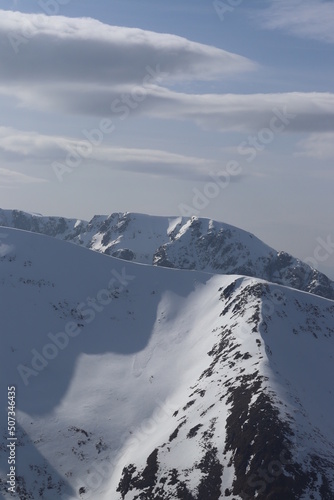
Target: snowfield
{"x":141,"y":381}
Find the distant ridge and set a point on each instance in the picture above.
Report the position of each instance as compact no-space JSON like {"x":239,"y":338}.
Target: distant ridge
{"x":178,"y":242}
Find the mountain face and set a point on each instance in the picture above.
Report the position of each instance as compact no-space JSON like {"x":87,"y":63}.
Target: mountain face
{"x":182,"y":243}
{"x":144,"y":382}
{"x":241,"y":431}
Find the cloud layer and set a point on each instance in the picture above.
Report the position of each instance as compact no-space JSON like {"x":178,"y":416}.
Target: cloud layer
{"x":298,"y":111}
{"x":305,"y":18}
{"x":319,"y":146}
{"x":85,"y":51}
{"x":10,"y":178}
{"x":82,"y":66}
{"x":45,"y":150}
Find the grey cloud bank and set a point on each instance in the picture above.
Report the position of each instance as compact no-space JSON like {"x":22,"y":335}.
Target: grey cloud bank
{"x":82,"y":66}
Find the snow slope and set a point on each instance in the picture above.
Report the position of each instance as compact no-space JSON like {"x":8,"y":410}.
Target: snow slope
{"x":140,"y":380}
{"x":178,"y":242}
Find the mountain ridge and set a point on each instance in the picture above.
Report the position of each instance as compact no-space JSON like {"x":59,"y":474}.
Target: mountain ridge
{"x":180,"y":242}
{"x":175,"y":384}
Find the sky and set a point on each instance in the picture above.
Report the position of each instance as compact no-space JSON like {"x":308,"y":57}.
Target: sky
{"x":220,"y":109}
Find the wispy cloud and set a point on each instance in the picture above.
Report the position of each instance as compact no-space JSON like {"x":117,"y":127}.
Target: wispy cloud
{"x":46,"y":149}
{"x":311,"y":112}
{"x":304,"y":18}
{"x":30,"y":144}
{"x":319,"y":146}
{"x":10,"y":178}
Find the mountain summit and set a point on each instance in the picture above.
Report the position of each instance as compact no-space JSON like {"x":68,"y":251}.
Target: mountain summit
{"x":159,"y":383}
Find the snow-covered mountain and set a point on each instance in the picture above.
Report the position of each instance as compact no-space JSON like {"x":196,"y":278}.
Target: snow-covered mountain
{"x":178,"y":242}
{"x":143,"y":382}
